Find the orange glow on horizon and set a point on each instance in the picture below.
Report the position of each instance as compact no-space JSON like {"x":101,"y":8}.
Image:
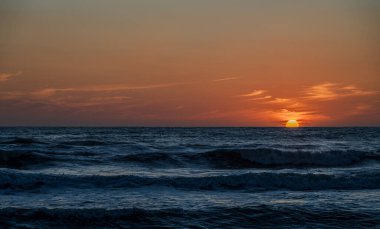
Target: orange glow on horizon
{"x":292,"y":124}
{"x":155,"y":66}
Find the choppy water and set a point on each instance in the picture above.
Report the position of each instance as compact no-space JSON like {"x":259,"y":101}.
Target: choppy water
{"x":189,"y":177}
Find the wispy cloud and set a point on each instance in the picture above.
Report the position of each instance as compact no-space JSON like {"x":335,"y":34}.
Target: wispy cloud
{"x":279,"y":100}
{"x":93,"y":101}
{"x":101,"y":101}
{"x":262,"y":98}
{"x":12,"y":95}
{"x":302,"y":116}
{"x":225,"y":79}
{"x":305,"y":108}
{"x":331,"y":91}
{"x":100,"y":88}
{"x":8,"y":76}
{"x":254,"y":93}
{"x":69,"y":97}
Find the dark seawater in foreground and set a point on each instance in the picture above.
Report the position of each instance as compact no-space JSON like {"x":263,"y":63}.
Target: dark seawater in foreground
{"x":189,"y":178}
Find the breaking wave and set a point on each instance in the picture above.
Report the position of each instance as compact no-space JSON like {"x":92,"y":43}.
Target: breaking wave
{"x":274,"y":157}
{"x":22,"y":159}
{"x":255,"y":158}
{"x":248,"y":181}
{"x":218,"y":159}
{"x":22,"y":141}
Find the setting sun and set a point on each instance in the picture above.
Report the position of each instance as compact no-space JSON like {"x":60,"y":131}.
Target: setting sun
{"x":194,"y":104}
{"x":292,"y":123}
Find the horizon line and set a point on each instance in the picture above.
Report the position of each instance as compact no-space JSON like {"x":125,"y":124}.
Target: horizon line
{"x":121,"y":126}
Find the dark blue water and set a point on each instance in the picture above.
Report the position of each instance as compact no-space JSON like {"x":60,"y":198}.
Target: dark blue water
{"x":189,"y":177}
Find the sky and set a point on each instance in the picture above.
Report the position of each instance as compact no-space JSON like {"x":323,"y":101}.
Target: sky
{"x":189,"y":63}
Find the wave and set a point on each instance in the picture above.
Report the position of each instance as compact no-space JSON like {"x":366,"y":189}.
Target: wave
{"x":36,"y":159}
{"x":22,"y":141}
{"x":22,"y":159}
{"x":84,"y":143}
{"x":155,"y":159}
{"x":218,"y":217}
{"x":249,"y":181}
{"x":64,"y":144}
{"x":255,"y":158}
{"x":273,"y":157}
{"x":264,"y":158}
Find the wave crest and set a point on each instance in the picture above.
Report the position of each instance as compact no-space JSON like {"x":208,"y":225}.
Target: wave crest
{"x":22,"y":159}
{"x":264,"y":157}
{"x":247,"y":181}
{"x":253,"y":158}
{"x":22,"y":141}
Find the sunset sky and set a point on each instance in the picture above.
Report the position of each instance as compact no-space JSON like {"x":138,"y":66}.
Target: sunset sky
{"x":189,"y":63}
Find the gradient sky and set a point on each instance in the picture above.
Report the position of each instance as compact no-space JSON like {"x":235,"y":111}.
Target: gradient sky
{"x":189,"y":63}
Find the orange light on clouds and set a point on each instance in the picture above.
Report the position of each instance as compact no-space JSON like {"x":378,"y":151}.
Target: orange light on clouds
{"x":189,"y":63}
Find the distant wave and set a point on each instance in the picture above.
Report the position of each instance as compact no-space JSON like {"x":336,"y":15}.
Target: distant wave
{"x":22,"y":159}
{"x":255,"y":158}
{"x":218,"y":159}
{"x":22,"y":141}
{"x":34,"y":159}
{"x":155,"y":159}
{"x":243,"y":217}
{"x":30,"y":141}
{"x":84,"y":143}
{"x":249,"y":181}
{"x":274,"y":157}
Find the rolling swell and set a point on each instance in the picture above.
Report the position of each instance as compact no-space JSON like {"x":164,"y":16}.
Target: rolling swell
{"x":85,"y":143}
{"x":255,"y":158}
{"x":21,"y":141}
{"x":264,"y":157}
{"x":32,"y":141}
{"x":217,"y":159}
{"x":189,"y":178}
{"x":22,"y":159}
{"x":36,"y":159}
{"x":217,"y":217}
{"x":248,"y":181}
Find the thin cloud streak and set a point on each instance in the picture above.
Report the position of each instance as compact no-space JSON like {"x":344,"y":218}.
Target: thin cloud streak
{"x":305,"y":107}
{"x":279,"y":100}
{"x":261,"y":98}
{"x":331,"y":91}
{"x":63,"y":96}
{"x":254,"y":93}
{"x":101,"y":88}
{"x":8,"y":76}
{"x":302,"y":116}
{"x":96,"y":101}
{"x":226,"y":79}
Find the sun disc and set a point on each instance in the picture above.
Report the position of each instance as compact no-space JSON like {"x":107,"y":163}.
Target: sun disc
{"x":292,"y":123}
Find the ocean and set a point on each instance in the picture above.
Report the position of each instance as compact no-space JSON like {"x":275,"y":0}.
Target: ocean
{"x":189,"y":177}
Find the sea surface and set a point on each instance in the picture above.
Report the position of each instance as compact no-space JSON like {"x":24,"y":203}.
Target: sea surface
{"x":189,"y":178}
